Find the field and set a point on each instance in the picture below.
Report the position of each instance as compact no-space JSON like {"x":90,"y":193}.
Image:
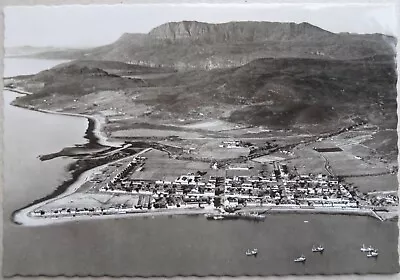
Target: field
{"x":143,"y":132}
{"x":212,"y":125}
{"x":208,"y":148}
{"x":345,"y":164}
{"x":89,"y":200}
{"x":306,"y":160}
{"x":159,"y":166}
{"x":386,"y":182}
{"x":268,"y":158}
{"x":356,"y":158}
{"x":213,"y":151}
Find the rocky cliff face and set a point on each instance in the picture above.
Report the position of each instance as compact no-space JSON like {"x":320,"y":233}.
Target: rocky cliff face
{"x":236,"y":32}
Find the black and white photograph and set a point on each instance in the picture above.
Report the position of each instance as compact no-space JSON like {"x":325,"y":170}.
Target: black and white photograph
{"x":200,"y":139}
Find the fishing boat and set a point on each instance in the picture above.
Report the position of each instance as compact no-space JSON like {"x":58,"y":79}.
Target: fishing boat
{"x":365,"y":249}
{"x":373,"y":254}
{"x":253,"y":252}
{"x":302,"y":258}
{"x":318,"y":249}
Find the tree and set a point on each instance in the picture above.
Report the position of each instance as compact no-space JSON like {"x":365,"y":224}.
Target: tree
{"x":217,"y":202}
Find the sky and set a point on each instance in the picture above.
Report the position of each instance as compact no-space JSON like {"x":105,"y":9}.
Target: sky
{"x":95,"y":25}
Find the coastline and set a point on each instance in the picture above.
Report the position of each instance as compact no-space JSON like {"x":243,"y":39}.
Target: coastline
{"x":21,"y":216}
{"x":94,"y":128}
{"x":97,"y":120}
{"x":24,"y":219}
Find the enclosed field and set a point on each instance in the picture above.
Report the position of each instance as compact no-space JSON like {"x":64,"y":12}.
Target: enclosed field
{"x":91,"y":200}
{"x":159,"y":166}
{"x":268,"y":158}
{"x":307,"y":161}
{"x":345,"y":164}
{"x":386,"y":182}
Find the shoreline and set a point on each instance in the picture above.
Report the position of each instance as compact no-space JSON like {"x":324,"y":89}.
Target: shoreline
{"x":94,"y":127}
{"x":97,"y":120}
{"x":26,"y":220}
{"x":21,"y":216}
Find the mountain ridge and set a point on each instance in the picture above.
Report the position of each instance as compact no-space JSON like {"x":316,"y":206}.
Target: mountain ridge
{"x":234,"y":31}
{"x":199,"y":45}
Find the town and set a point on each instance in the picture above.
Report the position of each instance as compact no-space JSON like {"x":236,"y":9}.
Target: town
{"x":226,"y":191}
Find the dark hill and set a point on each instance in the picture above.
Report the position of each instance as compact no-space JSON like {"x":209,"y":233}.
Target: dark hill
{"x":284,"y":92}
{"x":73,"y":80}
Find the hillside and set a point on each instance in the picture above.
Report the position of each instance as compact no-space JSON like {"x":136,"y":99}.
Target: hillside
{"x":278,"y":93}
{"x":284,"y":92}
{"x":67,"y":82}
{"x":194,"y":45}
{"x":115,"y":67}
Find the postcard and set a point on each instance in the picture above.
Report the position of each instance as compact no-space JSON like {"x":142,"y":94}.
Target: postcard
{"x":200,"y":139}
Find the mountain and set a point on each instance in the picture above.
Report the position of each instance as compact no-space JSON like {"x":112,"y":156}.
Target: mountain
{"x":194,"y":45}
{"x":191,"y":44}
{"x":236,"y":32}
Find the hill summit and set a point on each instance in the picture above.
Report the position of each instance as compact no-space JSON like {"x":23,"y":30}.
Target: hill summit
{"x":236,"y":32}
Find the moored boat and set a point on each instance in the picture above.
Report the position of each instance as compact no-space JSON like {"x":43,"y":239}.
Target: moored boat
{"x":253,"y":252}
{"x":235,"y":216}
{"x":302,"y":258}
{"x":218,"y":217}
{"x":373,"y":254}
{"x":318,"y":249}
{"x":366,"y":249}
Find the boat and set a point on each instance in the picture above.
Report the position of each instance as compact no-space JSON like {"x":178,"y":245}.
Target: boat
{"x":235,"y":216}
{"x":318,"y":249}
{"x":213,"y":217}
{"x":373,"y":254}
{"x":302,"y":258}
{"x":218,"y":217}
{"x":365,"y":249}
{"x":251,"y":216}
{"x":253,"y":252}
